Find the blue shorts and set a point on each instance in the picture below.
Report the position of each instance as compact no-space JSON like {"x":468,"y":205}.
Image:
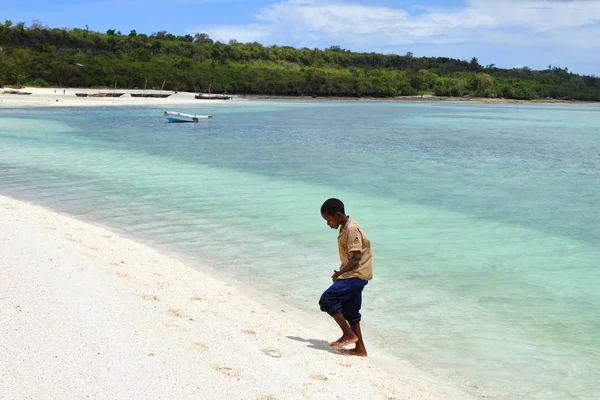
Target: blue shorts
{"x":345,"y":297}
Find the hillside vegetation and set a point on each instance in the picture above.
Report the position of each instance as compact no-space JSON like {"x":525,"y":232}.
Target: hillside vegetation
{"x":42,"y":56}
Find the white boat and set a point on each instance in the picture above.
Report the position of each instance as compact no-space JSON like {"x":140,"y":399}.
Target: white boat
{"x":173,"y":116}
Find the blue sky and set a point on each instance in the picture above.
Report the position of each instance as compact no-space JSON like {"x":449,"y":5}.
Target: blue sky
{"x":507,"y":33}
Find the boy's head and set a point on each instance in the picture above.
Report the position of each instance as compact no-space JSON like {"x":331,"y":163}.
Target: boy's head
{"x":333,"y":212}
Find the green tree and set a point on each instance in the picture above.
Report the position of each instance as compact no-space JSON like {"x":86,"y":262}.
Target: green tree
{"x":42,"y":55}
{"x":482,"y":84}
{"x":19,"y":65}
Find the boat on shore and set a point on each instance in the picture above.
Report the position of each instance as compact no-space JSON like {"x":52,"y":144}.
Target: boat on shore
{"x":99,"y":94}
{"x":15,"y":92}
{"x":173,"y":116}
{"x":155,"y":95}
{"x":204,"y":96}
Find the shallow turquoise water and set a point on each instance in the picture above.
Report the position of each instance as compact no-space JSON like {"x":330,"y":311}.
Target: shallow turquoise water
{"x":485,"y":219}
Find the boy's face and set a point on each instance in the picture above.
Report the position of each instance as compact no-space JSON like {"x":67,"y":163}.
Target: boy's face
{"x":333,"y":221}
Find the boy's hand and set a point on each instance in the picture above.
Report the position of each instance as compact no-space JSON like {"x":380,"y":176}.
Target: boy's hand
{"x":336,"y":275}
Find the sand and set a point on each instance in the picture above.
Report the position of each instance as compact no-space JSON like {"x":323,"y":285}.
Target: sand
{"x":66,"y":97}
{"x":89,"y":314}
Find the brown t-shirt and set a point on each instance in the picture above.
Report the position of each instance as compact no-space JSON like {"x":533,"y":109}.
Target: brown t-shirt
{"x":352,"y":238}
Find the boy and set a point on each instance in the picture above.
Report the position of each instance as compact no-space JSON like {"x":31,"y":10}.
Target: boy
{"x":343,"y":299}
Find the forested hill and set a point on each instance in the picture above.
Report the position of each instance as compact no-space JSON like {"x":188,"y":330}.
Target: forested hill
{"x":42,"y":56}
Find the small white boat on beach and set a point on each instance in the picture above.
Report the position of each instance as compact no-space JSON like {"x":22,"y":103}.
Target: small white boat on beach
{"x":173,"y":116}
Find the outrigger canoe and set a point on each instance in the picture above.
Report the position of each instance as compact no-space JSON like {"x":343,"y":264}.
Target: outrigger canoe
{"x":181,"y":117}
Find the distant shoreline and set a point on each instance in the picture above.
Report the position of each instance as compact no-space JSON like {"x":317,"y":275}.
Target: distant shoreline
{"x":418,"y":99}
{"x":87,"y":97}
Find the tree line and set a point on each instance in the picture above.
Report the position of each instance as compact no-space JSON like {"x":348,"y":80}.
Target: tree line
{"x":37,"y":55}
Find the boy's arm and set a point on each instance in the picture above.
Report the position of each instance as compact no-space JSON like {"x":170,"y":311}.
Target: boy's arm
{"x":351,"y":265}
{"x":354,"y":241}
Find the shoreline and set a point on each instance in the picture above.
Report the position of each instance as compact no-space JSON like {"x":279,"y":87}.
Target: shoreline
{"x":419,"y":99}
{"x":124,"y":321}
{"x":66,"y":97}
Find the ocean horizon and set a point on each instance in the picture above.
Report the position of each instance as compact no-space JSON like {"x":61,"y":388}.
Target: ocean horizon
{"x":483,"y":217}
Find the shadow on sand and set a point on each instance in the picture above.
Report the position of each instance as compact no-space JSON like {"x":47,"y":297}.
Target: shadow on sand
{"x":316,"y":344}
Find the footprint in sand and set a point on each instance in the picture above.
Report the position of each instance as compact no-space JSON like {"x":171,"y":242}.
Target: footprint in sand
{"x":271,"y":352}
{"x":197,"y":346}
{"x":318,"y":377}
{"x":177,"y":313}
{"x":226,"y":370}
{"x":149,"y":297}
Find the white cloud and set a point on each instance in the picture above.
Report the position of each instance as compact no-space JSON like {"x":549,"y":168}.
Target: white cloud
{"x":573,"y":24}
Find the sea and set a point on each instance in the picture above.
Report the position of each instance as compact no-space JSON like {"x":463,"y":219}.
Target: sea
{"x":484,"y":218}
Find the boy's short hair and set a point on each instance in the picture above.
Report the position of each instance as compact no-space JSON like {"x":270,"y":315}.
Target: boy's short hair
{"x":332,"y":206}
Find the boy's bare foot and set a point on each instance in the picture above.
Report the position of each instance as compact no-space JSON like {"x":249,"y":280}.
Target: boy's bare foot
{"x":353,"y":352}
{"x":344,"y":341}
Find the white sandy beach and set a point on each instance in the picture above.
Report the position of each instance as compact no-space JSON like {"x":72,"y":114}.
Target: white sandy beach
{"x":89,"y":314}
{"x":65,"y":97}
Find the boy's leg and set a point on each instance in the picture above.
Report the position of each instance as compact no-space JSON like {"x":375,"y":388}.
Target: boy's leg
{"x":359,"y":349}
{"x":348,"y":335}
{"x":351,"y":311}
{"x":331,"y":302}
